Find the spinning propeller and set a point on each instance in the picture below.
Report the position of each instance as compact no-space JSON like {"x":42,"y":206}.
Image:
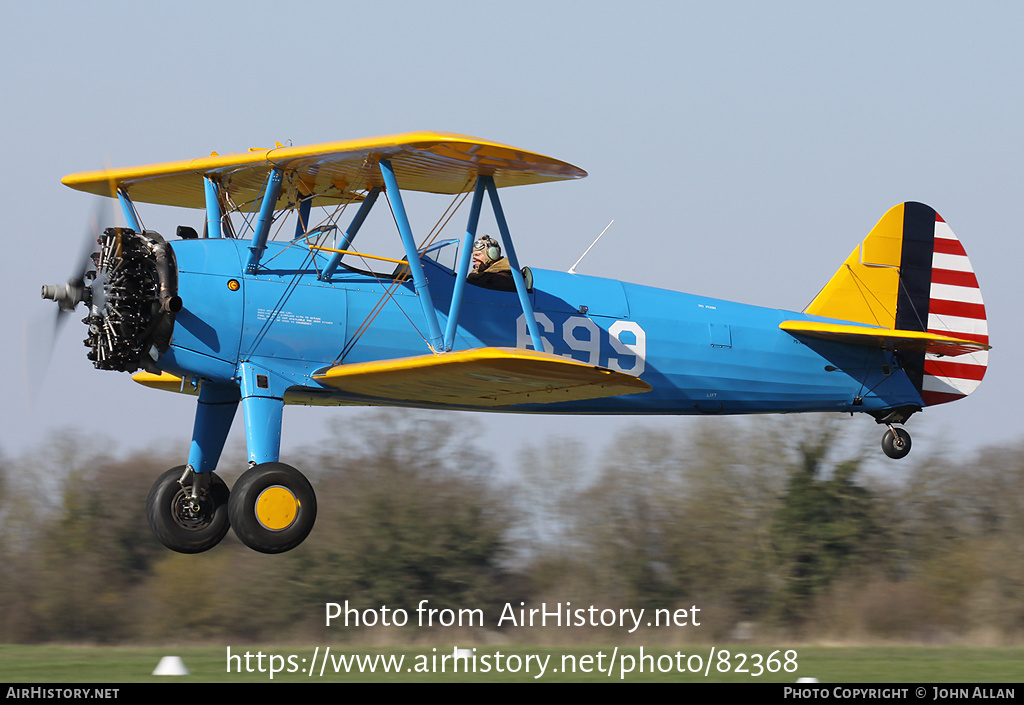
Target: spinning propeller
{"x":70,"y":294}
{"x":41,"y":333}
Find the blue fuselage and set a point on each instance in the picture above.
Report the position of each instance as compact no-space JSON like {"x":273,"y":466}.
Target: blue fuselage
{"x":700,"y":355}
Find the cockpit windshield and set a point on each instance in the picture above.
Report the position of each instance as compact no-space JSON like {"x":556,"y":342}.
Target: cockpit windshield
{"x":444,"y":253}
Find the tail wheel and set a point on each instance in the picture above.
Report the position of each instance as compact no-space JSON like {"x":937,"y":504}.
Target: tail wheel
{"x":184,"y":523}
{"x":896,"y":443}
{"x":272,"y":508}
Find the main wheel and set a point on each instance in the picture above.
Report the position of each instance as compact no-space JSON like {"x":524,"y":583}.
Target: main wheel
{"x":896,"y":443}
{"x":272,"y":508}
{"x":184,"y":524}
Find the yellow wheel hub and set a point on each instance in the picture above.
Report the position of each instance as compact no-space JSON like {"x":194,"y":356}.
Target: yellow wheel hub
{"x":276,"y":508}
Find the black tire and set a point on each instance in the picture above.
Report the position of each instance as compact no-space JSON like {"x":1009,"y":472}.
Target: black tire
{"x":178,"y":526}
{"x":896,"y":446}
{"x":272,"y":508}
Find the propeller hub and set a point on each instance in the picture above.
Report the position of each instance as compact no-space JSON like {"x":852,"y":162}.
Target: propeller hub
{"x":67,"y":295}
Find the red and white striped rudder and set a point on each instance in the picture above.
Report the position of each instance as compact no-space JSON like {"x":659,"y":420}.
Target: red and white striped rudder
{"x":955,"y":308}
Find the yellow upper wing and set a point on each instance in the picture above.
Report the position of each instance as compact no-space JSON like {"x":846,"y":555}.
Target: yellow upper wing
{"x":435,"y":162}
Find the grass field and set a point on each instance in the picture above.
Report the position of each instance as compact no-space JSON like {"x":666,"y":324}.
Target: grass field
{"x":888,"y":664}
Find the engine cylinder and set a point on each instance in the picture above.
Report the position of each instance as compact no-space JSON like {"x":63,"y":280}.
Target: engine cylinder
{"x":132,"y":297}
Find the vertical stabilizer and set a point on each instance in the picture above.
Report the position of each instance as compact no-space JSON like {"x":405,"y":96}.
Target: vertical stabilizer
{"x":912,"y":273}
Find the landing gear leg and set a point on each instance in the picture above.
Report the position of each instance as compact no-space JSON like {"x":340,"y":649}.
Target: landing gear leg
{"x":896,"y":442}
{"x":187,"y":508}
{"x":272,"y":506}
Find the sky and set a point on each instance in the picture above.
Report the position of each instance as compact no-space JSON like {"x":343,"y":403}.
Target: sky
{"x":743,"y":149}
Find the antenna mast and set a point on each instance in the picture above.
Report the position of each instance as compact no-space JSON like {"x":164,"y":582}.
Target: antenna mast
{"x":572,"y":269}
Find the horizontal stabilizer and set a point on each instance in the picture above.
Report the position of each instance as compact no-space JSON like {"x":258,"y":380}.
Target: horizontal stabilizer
{"x":887,"y":338}
{"x":481,"y":377}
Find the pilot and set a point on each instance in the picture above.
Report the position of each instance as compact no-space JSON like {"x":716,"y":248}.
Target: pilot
{"x":490,"y":269}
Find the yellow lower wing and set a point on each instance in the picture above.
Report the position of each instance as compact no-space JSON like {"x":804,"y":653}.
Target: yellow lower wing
{"x":165,"y":381}
{"x":887,"y":338}
{"x":481,"y":377}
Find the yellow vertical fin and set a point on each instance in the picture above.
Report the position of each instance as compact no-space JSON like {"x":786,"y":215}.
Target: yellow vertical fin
{"x":866,"y":287}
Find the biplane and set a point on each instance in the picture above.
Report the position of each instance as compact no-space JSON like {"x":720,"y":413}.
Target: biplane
{"x":267,"y":301}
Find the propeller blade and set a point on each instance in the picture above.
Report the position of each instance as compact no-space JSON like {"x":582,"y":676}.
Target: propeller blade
{"x":39,"y":335}
{"x":93,"y":230}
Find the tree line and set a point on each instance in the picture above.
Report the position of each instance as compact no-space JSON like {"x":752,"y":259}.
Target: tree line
{"x":771,"y":526}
